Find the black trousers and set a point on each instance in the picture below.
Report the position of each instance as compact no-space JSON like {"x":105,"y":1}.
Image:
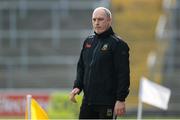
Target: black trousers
{"x":96,"y":112}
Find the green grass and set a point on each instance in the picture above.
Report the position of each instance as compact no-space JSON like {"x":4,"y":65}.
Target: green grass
{"x":61,"y":107}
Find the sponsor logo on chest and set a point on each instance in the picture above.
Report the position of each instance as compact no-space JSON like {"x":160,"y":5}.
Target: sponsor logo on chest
{"x":104,"y":47}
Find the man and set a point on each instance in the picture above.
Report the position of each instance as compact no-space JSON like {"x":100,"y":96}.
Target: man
{"x":102,"y":71}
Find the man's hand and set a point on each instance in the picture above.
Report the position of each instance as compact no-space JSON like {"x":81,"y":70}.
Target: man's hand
{"x":119,"y":108}
{"x":73,"y":94}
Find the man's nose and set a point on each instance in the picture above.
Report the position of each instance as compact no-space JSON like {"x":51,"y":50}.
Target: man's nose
{"x":97,"y":23}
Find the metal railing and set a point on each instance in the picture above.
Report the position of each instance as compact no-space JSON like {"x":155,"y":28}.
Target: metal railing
{"x":58,"y":8}
{"x":16,"y":38}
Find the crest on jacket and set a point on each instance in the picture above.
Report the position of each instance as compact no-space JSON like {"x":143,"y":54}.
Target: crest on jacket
{"x":109,"y":112}
{"x":104,"y":47}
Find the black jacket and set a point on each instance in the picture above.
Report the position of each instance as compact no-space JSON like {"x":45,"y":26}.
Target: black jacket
{"x":103,"y":69}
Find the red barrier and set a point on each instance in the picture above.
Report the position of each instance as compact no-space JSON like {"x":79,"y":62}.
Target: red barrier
{"x":12,"y":104}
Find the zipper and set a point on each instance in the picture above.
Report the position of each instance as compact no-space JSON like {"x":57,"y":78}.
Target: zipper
{"x":94,"y":52}
{"x":93,"y":58}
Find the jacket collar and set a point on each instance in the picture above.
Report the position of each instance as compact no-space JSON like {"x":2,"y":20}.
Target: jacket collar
{"x":105,"y":34}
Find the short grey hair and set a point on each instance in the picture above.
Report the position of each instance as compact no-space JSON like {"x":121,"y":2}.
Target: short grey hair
{"x":107,"y":11}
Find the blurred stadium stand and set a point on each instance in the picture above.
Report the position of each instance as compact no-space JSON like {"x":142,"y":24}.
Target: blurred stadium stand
{"x":40,"y":41}
{"x":169,"y":34}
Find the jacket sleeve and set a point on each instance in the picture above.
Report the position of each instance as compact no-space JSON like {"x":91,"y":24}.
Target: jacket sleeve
{"x":78,"y":83}
{"x":122,"y":70}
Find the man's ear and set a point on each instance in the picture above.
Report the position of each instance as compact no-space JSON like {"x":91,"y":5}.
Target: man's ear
{"x":110,"y":21}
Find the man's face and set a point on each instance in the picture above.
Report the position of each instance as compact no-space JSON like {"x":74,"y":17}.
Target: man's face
{"x":100,"y":21}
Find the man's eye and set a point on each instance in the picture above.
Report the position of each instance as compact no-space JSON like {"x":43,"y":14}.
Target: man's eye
{"x":101,"y":19}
